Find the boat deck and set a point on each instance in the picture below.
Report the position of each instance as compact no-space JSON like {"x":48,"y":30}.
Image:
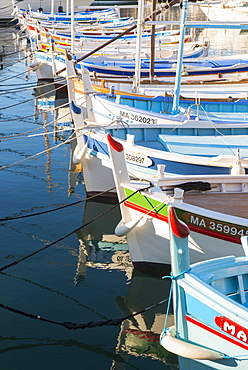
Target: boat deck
{"x":234,"y":204}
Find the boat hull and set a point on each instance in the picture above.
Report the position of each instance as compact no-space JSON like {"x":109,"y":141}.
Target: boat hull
{"x":149,"y":243}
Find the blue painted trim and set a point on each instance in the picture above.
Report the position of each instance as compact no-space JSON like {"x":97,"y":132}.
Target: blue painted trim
{"x":75,"y":108}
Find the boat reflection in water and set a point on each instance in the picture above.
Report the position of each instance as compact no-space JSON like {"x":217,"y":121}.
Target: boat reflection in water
{"x":53,"y":112}
{"x":100,"y":248}
{"x":54,"y":102}
{"x":139,"y":335}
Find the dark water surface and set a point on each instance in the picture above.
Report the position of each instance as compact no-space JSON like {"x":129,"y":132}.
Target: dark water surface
{"x":86,"y":276}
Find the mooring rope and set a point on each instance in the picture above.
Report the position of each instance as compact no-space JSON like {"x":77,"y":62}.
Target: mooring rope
{"x":38,"y":154}
{"x":72,"y":232}
{"x":25,"y":134}
{"x":58,"y":208}
{"x":92,"y":324}
{"x":16,"y":52}
{"x":173,"y":279}
{"x":56,"y":292}
{"x":36,"y":97}
{"x":10,"y":64}
{"x":19,"y":74}
{"x":21,"y":119}
{"x":38,"y":85}
{"x":32,"y":86}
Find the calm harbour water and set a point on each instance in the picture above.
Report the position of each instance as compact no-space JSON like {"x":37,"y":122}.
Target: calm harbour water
{"x":85,"y":277}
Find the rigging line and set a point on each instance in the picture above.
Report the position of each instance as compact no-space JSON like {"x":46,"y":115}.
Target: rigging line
{"x":36,"y":97}
{"x":72,"y":232}
{"x":17,"y":89}
{"x":13,"y":63}
{"x":162,"y":204}
{"x":30,"y":83}
{"x":20,"y":136}
{"x":10,"y":23}
{"x":21,"y":119}
{"x":34,"y":85}
{"x":21,"y":85}
{"x":57,"y":292}
{"x":16,"y":52}
{"x":92,"y":324}
{"x":106,"y":107}
{"x":27,"y":132}
{"x":12,"y":44}
{"x":58,"y":208}
{"x":40,"y":153}
{"x":7,"y":37}
{"x":41,"y":111}
{"x":19,"y":74}
{"x":38,"y":128}
{"x":39,"y":134}
{"x":18,"y":38}
{"x":216,"y":129}
{"x":6,"y":13}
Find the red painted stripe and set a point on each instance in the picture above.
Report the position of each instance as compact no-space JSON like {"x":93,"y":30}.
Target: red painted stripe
{"x":215,"y":332}
{"x":196,"y":229}
{"x":145,"y":210}
{"x":213,"y":234}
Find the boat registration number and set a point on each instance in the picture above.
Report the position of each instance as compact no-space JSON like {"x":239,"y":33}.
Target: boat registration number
{"x":232,"y":328}
{"x":139,"y":159}
{"x":137,"y":118}
{"x":214,"y":225}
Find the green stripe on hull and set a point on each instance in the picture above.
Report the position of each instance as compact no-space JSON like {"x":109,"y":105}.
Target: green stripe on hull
{"x":216,"y":228}
{"x":140,"y":200}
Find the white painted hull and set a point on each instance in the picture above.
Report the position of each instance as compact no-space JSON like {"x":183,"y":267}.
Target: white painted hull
{"x":210,"y":304}
{"x":210,"y":340}
{"x":44,"y":72}
{"x":150,"y":243}
{"x":42,"y":66}
{"x":96,"y":179}
{"x":35,"y":5}
{"x":145,"y":206}
{"x":48,"y":67}
{"x":216,"y":90}
{"x":98,"y":175}
{"x":46,"y":4}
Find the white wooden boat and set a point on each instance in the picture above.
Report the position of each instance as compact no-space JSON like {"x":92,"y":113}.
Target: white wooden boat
{"x":87,"y":16}
{"x":205,"y":203}
{"x":217,"y":105}
{"x":210,"y":305}
{"x":116,"y":24}
{"x":192,"y":69}
{"x":44,"y":6}
{"x":127,"y":51}
{"x":220,"y":88}
{"x":146,"y":144}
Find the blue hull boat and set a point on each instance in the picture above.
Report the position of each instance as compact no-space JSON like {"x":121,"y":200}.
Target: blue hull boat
{"x":210,"y":305}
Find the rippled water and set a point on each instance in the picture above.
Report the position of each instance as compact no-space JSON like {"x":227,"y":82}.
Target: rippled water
{"x":85,"y":277}
{"x":86,"y":274}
